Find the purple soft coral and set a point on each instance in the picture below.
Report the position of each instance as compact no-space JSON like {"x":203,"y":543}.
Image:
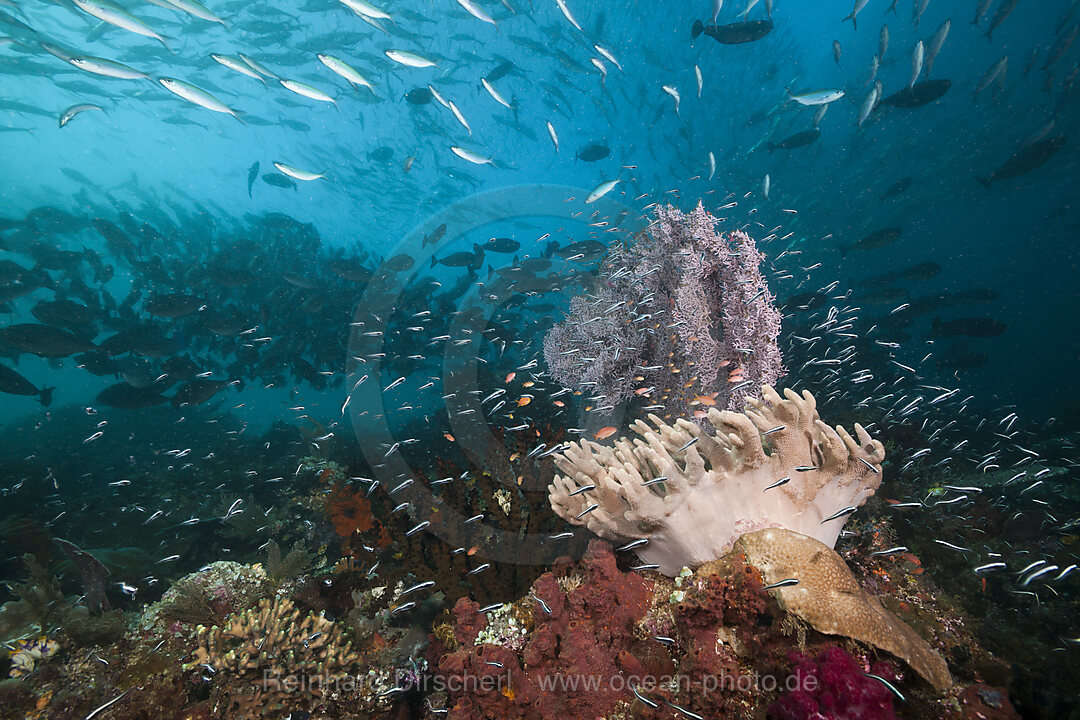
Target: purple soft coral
{"x":683,"y":303}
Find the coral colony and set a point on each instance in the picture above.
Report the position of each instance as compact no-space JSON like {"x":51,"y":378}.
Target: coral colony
{"x":681,"y":317}
{"x":689,"y":495}
{"x":737,"y":605}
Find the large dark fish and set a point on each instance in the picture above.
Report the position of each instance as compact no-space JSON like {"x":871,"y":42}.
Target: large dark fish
{"x":586,"y":250}
{"x":43,"y":340}
{"x":921,"y":272}
{"x":278,"y":180}
{"x":900,"y":186}
{"x":500,"y":245}
{"x":593,"y":152}
{"x":253,"y":173}
{"x":435,"y":236}
{"x":798,"y":140}
{"x":125,"y":397}
{"x":918,"y":94}
{"x":197,"y":392}
{"x":63,"y":312}
{"x":13,"y":383}
{"x":977,"y":327}
{"x":472,"y":260}
{"x":735,"y":33}
{"x":172,"y":305}
{"x":419,"y":96}
{"x":873,"y":241}
{"x":500,"y":71}
{"x":1025,"y":160}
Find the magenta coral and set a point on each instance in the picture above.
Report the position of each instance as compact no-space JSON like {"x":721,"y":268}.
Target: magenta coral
{"x":833,"y":686}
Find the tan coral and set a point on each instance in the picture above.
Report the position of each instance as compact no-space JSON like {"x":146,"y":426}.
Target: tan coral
{"x":776,"y":465}
{"x":829,"y":598}
{"x":274,"y":636}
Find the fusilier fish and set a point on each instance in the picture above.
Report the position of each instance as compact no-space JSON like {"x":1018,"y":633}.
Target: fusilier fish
{"x":470,"y":156}
{"x":476,"y":11}
{"x":674,"y":93}
{"x":409,"y":59}
{"x":567,"y":14}
{"x":817,"y":97}
{"x":495,"y":93}
{"x":108,"y":68}
{"x":297,"y":173}
{"x":366,"y":10}
{"x":195,"y":9}
{"x":196,"y":95}
{"x":238,"y":65}
{"x":258,"y":67}
{"x":307,"y":91}
{"x":117,"y":16}
{"x":346,"y":71}
{"x":71,"y":112}
{"x":600,"y":191}
{"x":553,"y":136}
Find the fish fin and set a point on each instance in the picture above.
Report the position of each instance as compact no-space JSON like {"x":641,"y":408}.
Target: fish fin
{"x":984,"y":181}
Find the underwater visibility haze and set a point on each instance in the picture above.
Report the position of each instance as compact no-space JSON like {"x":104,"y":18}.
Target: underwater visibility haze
{"x":539,"y":359}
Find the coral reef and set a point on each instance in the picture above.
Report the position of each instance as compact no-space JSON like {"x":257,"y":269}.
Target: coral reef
{"x":677,"y":312}
{"x":834,"y":686}
{"x":691,"y":494}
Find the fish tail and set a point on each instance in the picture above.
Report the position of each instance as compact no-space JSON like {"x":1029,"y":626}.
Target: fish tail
{"x":984,"y":181}
{"x":45,"y":395}
{"x":851,"y":17}
{"x":433,"y":261}
{"x":696,"y":29}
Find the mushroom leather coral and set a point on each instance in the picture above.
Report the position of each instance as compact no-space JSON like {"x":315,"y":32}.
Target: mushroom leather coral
{"x":775,"y":465}
{"x":829,"y":598}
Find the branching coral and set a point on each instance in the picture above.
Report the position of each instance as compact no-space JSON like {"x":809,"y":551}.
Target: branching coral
{"x":677,"y":313}
{"x":274,"y":636}
{"x":283,"y":661}
{"x":692,"y":494}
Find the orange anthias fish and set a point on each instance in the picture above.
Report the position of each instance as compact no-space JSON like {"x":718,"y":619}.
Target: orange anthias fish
{"x":524,"y":400}
{"x":510,"y":377}
{"x":703,"y":400}
{"x":605,"y":432}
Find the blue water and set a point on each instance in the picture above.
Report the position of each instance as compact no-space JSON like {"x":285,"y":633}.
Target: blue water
{"x":391,"y":179}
